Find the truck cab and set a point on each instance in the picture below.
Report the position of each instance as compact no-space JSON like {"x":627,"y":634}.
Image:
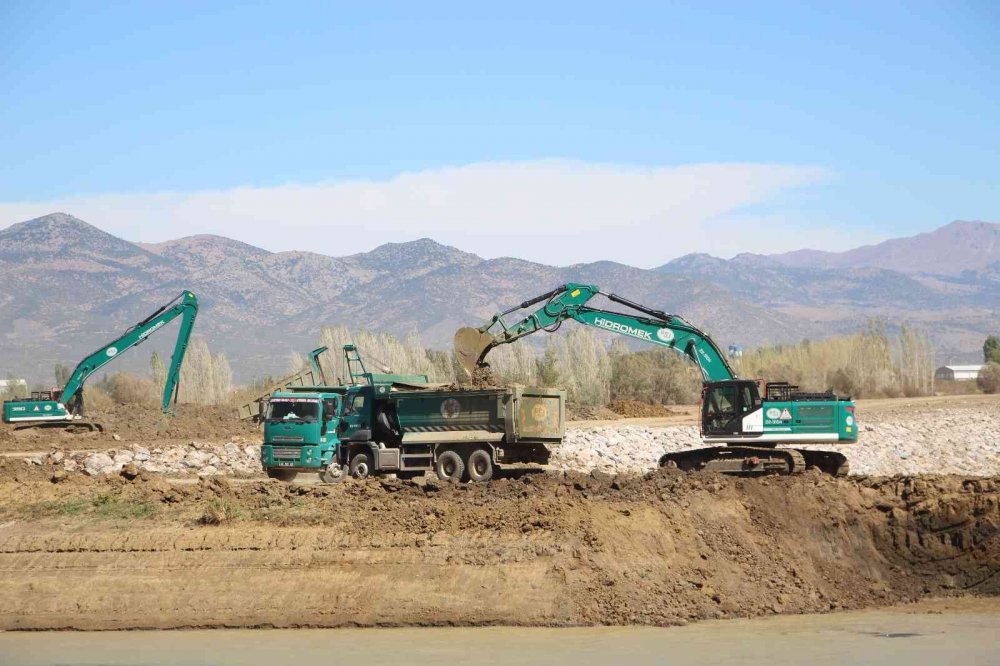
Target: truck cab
{"x":301,"y":431}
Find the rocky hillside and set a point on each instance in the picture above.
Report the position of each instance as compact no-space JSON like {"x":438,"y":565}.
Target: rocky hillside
{"x":72,"y":287}
{"x":953,"y":249}
{"x":946,"y":282}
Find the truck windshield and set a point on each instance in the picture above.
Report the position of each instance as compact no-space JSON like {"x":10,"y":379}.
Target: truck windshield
{"x":297,"y":410}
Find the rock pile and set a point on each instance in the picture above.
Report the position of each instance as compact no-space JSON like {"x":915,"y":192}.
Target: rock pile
{"x":944,"y":441}
{"x":194,"y":458}
{"x":618,"y":449}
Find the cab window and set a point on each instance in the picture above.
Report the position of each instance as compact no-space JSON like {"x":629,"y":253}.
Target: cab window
{"x":721,"y":402}
{"x":355,"y":404}
{"x":298,"y":410}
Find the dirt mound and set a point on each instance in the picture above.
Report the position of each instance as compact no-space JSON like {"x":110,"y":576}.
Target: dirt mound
{"x":590,"y":413}
{"x":136,"y":423}
{"x":539,"y":549}
{"x":637,"y":409}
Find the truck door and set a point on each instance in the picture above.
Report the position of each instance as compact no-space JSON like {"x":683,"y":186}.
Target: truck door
{"x":331,"y":410}
{"x":355,"y":422}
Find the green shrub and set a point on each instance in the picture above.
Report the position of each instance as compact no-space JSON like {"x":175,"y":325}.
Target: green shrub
{"x":989,"y":378}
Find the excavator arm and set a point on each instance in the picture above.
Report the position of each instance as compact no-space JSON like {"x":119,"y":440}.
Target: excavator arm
{"x":185,"y":305}
{"x":571,"y":301}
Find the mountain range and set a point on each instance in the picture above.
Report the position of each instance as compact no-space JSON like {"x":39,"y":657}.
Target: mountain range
{"x":71,"y":287}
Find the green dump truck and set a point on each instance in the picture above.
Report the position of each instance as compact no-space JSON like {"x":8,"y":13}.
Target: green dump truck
{"x":405,"y":429}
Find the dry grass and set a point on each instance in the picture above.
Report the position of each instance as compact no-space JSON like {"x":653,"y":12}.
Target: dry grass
{"x":865,"y":365}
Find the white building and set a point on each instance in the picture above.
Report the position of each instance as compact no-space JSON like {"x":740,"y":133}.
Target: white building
{"x":958,"y":373}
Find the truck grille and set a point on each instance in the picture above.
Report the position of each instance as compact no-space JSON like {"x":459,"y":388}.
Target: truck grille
{"x":287,"y":452}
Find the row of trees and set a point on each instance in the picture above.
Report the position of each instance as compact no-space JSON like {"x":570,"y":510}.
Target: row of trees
{"x":869,"y":364}
{"x":205,"y":378}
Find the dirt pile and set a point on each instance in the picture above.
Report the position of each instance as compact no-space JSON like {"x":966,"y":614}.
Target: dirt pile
{"x":542,"y":549}
{"x":133,"y":423}
{"x":637,"y":409}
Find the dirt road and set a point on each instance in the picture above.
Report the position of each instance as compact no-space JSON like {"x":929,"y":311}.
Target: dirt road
{"x":540,"y":550}
{"x":962,"y":631}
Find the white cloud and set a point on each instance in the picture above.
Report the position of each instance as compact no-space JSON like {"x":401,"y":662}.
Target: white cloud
{"x":554,"y":211}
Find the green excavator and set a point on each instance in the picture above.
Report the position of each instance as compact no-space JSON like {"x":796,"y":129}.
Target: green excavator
{"x":63,"y":407}
{"x":745,"y":419}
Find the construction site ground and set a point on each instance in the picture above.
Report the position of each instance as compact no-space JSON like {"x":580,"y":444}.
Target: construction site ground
{"x":547,"y":547}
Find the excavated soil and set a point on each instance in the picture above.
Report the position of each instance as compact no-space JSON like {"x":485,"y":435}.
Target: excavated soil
{"x":542,"y":549}
{"x":637,"y":409}
{"x":135,"y":423}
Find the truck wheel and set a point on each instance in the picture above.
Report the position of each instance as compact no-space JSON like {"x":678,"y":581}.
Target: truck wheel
{"x":361,"y":466}
{"x":449,"y":467}
{"x":286,"y":475}
{"x":480,"y":466}
{"x":333,"y":474}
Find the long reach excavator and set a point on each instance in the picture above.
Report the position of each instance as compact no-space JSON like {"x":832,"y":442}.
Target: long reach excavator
{"x":63,"y":407}
{"x":745,"y":420}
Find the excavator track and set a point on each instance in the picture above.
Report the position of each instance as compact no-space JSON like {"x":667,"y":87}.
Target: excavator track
{"x":754,"y":460}
{"x":830,"y":462}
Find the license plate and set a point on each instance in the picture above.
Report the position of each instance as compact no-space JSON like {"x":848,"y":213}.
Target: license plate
{"x":286,"y":464}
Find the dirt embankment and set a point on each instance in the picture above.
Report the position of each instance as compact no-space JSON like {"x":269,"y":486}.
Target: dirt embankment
{"x":135,"y":424}
{"x":542,"y":549}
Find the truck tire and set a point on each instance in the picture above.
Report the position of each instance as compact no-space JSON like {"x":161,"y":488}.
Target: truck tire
{"x":361,"y":466}
{"x":286,"y":475}
{"x":449,"y":467}
{"x":480,"y":466}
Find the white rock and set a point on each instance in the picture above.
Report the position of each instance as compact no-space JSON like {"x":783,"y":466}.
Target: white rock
{"x":97,"y":463}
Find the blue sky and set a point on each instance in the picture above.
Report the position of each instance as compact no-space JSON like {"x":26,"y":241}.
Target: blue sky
{"x":837,"y":125}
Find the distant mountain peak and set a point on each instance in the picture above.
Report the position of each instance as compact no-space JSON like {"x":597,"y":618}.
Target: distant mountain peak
{"x":204,"y":243}
{"x":949,"y":250}
{"x":64,"y":236}
{"x":423,"y":253}
{"x":54,"y":222}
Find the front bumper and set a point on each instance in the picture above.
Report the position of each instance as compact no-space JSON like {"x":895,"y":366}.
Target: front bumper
{"x":285,"y":456}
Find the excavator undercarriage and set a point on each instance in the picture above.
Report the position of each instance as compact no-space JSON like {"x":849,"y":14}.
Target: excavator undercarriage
{"x":752,"y":461}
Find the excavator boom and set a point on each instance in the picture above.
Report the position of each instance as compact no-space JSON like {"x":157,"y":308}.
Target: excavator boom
{"x":66,"y":403}
{"x":571,"y":301}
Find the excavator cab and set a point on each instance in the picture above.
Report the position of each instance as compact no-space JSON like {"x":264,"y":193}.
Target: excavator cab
{"x":724,"y":405}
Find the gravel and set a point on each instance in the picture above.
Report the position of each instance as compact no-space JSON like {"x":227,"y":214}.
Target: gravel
{"x":946,"y":441}
{"x":195,"y":458}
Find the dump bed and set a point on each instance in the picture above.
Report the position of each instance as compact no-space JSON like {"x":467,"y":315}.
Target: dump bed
{"x":254,"y":409}
{"x":512,"y":414}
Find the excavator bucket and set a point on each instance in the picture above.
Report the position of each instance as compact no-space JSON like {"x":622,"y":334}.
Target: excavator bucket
{"x":471,"y":344}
